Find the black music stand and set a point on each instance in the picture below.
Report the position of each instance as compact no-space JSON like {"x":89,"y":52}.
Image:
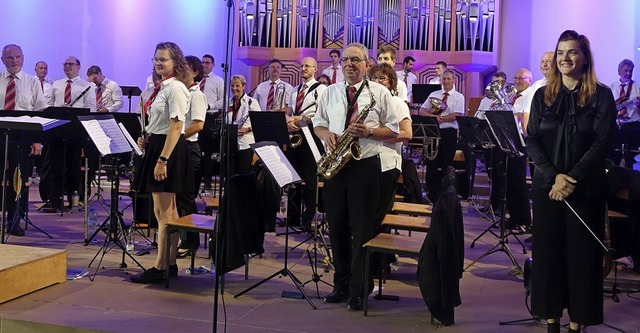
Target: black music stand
{"x":130,"y":91}
{"x":280,"y":168}
{"x":22,"y":121}
{"x":426,"y":136}
{"x":506,"y":134}
{"x":109,"y":139}
{"x":422,"y":91}
{"x":269,"y":126}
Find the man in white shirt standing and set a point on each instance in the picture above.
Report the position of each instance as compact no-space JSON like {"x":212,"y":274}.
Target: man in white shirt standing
{"x":441,"y":66}
{"x":41,"y":71}
{"x":108,"y":92}
{"x":406,"y":75}
{"x":273,"y":94}
{"x":211,"y":84}
{"x":448,"y":131}
{"x":627,"y":95}
{"x":334,"y":72}
{"x":18,"y":91}
{"x":387,"y":55}
{"x":545,"y":67}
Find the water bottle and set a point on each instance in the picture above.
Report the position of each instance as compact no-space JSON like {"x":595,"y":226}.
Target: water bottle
{"x":75,"y":199}
{"x":284,"y":201}
{"x":130,"y":241}
{"x":92,"y":223}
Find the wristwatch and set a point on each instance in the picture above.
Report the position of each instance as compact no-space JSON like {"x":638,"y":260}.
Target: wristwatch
{"x":370,"y":135}
{"x":162,"y":159}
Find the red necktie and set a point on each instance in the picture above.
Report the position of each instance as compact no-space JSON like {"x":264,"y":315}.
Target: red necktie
{"x":300,"y":99}
{"x":353,"y":111}
{"x":236,"y":108}
{"x":67,"y":93}
{"x":445,"y":97}
{"x":515,"y":98}
{"x":148,"y":103}
{"x":10,"y":96}
{"x":99,"y":95}
{"x":42,"y":84}
{"x":334,"y":77}
{"x":623,"y":111}
{"x":405,"y":77}
{"x":270,"y":96}
{"x":203,"y":83}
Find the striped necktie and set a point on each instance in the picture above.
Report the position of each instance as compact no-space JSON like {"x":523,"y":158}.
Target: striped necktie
{"x":67,"y":93}
{"x":270,"y":96}
{"x":99,"y":95}
{"x":300,"y":99}
{"x":10,"y":96}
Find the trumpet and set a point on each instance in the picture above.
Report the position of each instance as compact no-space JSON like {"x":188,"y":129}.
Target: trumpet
{"x":295,"y":140}
{"x":437,"y":105}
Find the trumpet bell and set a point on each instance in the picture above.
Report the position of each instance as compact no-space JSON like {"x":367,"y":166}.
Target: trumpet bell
{"x":437,"y":105}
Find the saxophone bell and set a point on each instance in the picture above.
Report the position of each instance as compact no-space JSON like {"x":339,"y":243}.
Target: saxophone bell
{"x":295,"y":140}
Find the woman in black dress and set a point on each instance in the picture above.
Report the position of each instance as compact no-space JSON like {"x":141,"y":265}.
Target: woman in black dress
{"x":165,"y":165}
{"x":570,"y":130}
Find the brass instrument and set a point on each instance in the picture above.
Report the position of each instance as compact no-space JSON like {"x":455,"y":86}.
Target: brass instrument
{"x":347,"y":147}
{"x":279,"y":94}
{"x":437,"y":105}
{"x":295,"y":140}
{"x":430,"y":147}
{"x":495,"y":91}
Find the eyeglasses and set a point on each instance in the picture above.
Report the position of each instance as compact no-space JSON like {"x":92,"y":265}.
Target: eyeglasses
{"x":354,"y":60}
{"x":160,"y":60}
{"x":517,"y":78}
{"x":379,"y":78}
{"x":307,"y":66}
{"x":69,"y":64}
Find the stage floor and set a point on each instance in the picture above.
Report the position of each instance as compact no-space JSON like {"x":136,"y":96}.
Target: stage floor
{"x":490,"y":294}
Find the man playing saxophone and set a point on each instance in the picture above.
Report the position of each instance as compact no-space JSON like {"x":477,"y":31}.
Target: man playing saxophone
{"x":351,"y":196}
{"x":302,"y":107}
{"x":453,"y":102}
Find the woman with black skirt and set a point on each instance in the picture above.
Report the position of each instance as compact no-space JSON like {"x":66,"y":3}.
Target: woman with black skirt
{"x":165,"y":165}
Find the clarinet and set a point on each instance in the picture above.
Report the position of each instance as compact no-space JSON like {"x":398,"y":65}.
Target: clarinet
{"x":79,"y":96}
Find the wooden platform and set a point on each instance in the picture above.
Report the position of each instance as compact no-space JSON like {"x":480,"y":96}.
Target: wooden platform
{"x":25,"y":269}
{"x":411,"y":209}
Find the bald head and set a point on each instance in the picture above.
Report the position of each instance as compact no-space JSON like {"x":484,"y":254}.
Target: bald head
{"x":12,"y":58}
{"x":308,"y":68}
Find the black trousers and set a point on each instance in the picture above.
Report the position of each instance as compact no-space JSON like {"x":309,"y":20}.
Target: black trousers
{"x":629,"y":135}
{"x":302,"y":199}
{"x":567,"y":260}
{"x":61,"y":172}
{"x":444,"y":158}
{"x":350,"y":200}
{"x":186,"y":202}
{"x":18,"y":155}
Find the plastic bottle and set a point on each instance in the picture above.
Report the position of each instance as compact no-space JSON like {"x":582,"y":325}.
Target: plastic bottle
{"x":284,"y":201}
{"x":75,"y":199}
{"x":92,"y":222}
{"x":130,"y":241}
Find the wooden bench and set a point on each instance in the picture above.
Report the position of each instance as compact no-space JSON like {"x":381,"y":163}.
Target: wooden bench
{"x":411,"y":209}
{"x":210,"y":204}
{"x":403,"y":222}
{"x":193,"y":222}
{"x":387,"y":243}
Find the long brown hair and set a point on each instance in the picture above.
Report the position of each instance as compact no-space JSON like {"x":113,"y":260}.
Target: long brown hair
{"x":588,"y":78}
{"x":179,"y":63}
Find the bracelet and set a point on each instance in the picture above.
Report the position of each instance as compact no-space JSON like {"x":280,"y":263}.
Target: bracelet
{"x":161,"y":162}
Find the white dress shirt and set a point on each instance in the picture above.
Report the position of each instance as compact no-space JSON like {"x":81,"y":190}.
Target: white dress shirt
{"x":332,"y":113}
{"x":172,"y":101}
{"x":29,"y":95}
{"x":111,"y":95}
{"x":534,"y":87}
{"x":486,"y":104}
{"x":214,"y":91}
{"x":197,"y":109}
{"x":262,"y":93}
{"x":455,"y":104}
{"x":435,"y":80}
{"x":402,"y":90}
{"x":329,"y":72}
{"x":409,"y":79}
{"x":522,"y":105}
{"x":391,"y":155}
{"x":46,"y":88}
{"x":633,"y":112}
{"x":242,"y":119}
{"x":78,"y":86}
{"x":309,"y":103}
{"x":144,"y":96}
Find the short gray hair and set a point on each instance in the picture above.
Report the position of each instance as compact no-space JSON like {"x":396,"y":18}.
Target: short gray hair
{"x":239,"y":78}
{"x":365,"y":51}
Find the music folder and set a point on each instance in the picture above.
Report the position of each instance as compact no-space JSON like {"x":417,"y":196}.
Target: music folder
{"x":275,"y":161}
{"x":30,"y":123}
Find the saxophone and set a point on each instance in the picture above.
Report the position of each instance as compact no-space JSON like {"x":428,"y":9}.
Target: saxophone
{"x":347,"y":147}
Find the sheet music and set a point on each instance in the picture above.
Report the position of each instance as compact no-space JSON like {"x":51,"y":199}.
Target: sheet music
{"x":106,"y":135}
{"x":312,"y":143}
{"x":132,"y":142}
{"x":28,"y":119}
{"x":277,"y":163}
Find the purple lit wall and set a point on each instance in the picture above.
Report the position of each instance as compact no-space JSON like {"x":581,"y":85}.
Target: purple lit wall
{"x":612,"y":27}
{"x":118,"y":35}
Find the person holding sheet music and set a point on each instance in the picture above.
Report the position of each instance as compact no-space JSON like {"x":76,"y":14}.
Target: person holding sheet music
{"x":186,"y":201}
{"x":165,"y":167}
{"x":18,"y":91}
{"x":302,"y":108}
{"x":448,"y":131}
{"x":569,"y":134}
{"x":351,"y":197}
{"x":238,"y":114}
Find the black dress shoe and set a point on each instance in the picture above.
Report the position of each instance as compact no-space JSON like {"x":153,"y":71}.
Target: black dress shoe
{"x":336,"y":296}
{"x":354,"y":303}
{"x":173,"y":270}
{"x":151,"y":275}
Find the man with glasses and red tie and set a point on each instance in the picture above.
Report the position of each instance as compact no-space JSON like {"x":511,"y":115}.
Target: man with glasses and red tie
{"x":302,"y":108}
{"x":273,"y":94}
{"x":108,"y":92}
{"x":454,"y":102}
{"x":71,"y":91}
{"x":18,"y":91}
{"x":334,"y":72}
{"x":352,"y":195}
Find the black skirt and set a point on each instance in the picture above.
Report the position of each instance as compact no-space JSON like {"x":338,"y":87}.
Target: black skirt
{"x":179,"y":173}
